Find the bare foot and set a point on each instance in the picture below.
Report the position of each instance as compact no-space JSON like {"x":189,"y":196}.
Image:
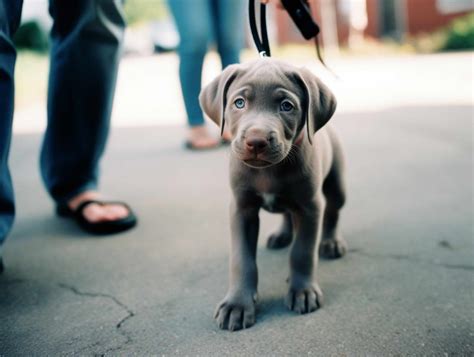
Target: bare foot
{"x":200,"y":138}
{"x":98,"y":213}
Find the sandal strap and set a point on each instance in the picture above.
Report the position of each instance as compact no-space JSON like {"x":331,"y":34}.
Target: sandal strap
{"x":78,"y":211}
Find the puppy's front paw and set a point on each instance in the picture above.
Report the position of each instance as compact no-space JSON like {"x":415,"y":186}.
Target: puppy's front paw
{"x":333,"y":248}
{"x":279,"y":240}
{"x":236,"y":312}
{"x":305,"y":299}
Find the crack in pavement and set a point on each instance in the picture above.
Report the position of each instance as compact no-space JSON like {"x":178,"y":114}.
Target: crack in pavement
{"x":119,"y":324}
{"x":413,"y":260}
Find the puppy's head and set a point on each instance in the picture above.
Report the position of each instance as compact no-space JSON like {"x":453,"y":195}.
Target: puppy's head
{"x":267,"y":104}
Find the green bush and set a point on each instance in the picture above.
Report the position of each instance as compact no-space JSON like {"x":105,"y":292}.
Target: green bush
{"x":459,"y":35}
{"x":31,"y":36}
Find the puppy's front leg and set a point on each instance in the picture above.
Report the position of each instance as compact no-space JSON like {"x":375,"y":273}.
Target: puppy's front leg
{"x":237,"y":310}
{"x":304,"y":294}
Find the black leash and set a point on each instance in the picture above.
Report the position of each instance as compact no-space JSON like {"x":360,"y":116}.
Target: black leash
{"x":262,"y":45}
{"x":318,"y":53}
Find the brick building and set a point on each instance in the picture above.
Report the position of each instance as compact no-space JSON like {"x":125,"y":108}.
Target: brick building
{"x":385,"y":18}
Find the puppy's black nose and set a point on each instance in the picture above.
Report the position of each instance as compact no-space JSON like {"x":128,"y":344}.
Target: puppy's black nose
{"x":256,"y":144}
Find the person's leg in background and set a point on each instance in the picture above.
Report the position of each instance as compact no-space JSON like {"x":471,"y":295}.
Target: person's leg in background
{"x":229,"y":21}
{"x":10,"y":15}
{"x":85,"y":53}
{"x":228,"y":25}
{"x":193,"y":19}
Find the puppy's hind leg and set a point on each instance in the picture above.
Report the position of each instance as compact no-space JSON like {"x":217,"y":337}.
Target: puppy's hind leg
{"x":283,"y":237}
{"x":332,"y":244}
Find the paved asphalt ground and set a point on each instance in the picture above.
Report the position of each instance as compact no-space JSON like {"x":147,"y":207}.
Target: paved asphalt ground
{"x":405,"y":288}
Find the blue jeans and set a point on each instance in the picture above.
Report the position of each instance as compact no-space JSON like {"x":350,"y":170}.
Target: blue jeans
{"x":199,"y":22}
{"x":85,"y":50}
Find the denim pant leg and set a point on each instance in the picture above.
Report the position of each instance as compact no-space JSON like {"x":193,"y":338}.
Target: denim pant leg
{"x":86,"y":42}
{"x":10,"y":14}
{"x":193,"y":19}
{"x":229,"y":21}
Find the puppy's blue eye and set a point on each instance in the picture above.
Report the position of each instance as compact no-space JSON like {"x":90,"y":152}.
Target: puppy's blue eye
{"x":286,"y":106}
{"x":239,"y":103}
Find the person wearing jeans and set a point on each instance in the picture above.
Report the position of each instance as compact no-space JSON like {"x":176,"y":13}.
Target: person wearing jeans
{"x":198,"y":22}
{"x":85,"y":49}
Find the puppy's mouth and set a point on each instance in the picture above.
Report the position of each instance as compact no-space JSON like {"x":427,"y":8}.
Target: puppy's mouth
{"x":257,"y":163}
{"x":262,"y":160}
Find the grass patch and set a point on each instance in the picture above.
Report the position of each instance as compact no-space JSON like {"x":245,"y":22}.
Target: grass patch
{"x":140,"y":11}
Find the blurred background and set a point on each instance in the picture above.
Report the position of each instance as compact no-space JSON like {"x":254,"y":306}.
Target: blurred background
{"x":404,"y":87}
{"x":355,"y":34}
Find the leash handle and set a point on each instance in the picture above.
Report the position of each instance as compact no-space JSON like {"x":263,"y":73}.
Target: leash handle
{"x":300,"y":13}
{"x":262,"y":44}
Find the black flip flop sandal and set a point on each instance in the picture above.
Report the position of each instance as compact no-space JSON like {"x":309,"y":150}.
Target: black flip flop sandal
{"x":102,"y":227}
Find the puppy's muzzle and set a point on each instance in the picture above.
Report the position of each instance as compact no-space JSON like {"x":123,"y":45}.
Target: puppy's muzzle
{"x":258,"y":148}
{"x":256,"y":145}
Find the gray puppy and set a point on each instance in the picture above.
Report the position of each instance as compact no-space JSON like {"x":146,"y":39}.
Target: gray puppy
{"x":282,"y":160}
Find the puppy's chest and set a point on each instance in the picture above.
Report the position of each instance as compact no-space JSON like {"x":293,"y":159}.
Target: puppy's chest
{"x":275,"y":197}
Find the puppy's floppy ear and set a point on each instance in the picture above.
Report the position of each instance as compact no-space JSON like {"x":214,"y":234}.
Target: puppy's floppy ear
{"x":213,"y":97}
{"x":320,"y":102}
